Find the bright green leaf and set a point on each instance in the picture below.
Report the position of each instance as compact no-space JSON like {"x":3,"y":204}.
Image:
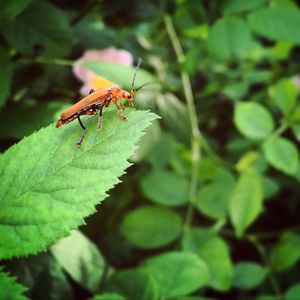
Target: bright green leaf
{"x":5,"y":75}
{"x":48,"y":29}
{"x":281,"y":154}
{"x":270,"y":187}
{"x":51,"y":185}
{"x":253,"y":120}
{"x":10,"y":9}
{"x":9,"y":288}
{"x":276,"y":23}
{"x":246,"y":201}
{"x":165,"y":187}
{"x":293,"y":292}
{"x":230,"y":38}
{"x":287,"y":251}
{"x":284,"y":94}
{"x":214,"y":252}
{"x":177,"y":273}
{"x":134,"y":284}
{"x":248,"y":275}
{"x":81,"y":259}
{"x":151,"y":226}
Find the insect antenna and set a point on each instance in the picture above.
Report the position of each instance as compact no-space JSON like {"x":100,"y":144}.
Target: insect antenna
{"x":144,"y":84}
{"x":134,"y":75}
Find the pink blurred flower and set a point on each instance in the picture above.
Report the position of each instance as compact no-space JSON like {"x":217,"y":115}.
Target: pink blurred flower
{"x":296,"y":80}
{"x":90,"y":79}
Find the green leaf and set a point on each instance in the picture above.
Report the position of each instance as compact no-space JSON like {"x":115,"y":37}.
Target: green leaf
{"x":293,"y":292}
{"x":276,"y":23}
{"x":9,"y":288}
{"x":281,"y":154}
{"x":10,"y":9}
{"x":81,"y":259}
{"x":109,"y":296}
{"x":229,"y":39}
{"x":21,"y":120}
{"x":40,"y":25}
{"x":237,"y":6}
{"x":284,"y":94}
{"x":248,"y":275}
{"x":213,"y":198}
{"x":270,"y":187}
{"x":165,"y":187}
{"x":287,"y":251}
{"x":49,"y":179}
{"x":253,"y":120}
{"x":151,"y":226}
{"x":177,"y":273}
{"x":6,"y":73}
{"x":122,"y":75}
{"x":134,"y":284}
{"x":214,"y":252}
{"x":246,"y":201}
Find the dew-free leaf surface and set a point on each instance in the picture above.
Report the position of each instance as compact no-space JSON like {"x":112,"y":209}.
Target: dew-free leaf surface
{"x":48,"y":185}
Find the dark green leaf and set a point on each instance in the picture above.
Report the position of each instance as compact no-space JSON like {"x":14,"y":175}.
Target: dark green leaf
{"x":10,"y":9}
{"x":49,"y":179}
{"x":40,"y":25}
{"x":6,"y":68}
{"x":237,"y":6}
{"x":109,"y":296}
{"x":248,"y":275}
{"x":165,"y":187}
{"x":151,"y":226}
{"x":293,"y":292}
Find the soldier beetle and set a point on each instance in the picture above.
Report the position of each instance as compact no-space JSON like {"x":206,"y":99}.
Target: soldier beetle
{"x":95,"y":101}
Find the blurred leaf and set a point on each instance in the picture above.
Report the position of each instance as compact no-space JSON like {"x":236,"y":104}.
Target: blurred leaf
{"x":287,"y":251}
{"x":266,"y":297}
{"x":21,"y":120}
{"x":109,"y":296}
{"x":9,"y":288}
{"x":296,"y":131}
{"x":270,"y":187}
{"x":122,"y":75}
{"x":165,"y":187}
{"x":177,"y":273}
{"x":81,"y":259}
{"x":213,"y":198}
{"x":284,"y":94}
{"x":174,"y":114}
{"x":134,"y":284}
{"x":148,"y":142}
{"x":237,"y":6}
{"x":228,"y":39}
{"x":208,"y":168}
{"x":40,"y":25}
{"x":214,"y":252}
{"x":246,"y":201}
{"x":276,"y":23}
{"x":253,"y":120}
{"x":248,"y":275}
{"x":293,"y":292}
{"x":49,"y":179}
{"x":151,"y":226}
{"x":6,"y":73}
{"x":10,"y":9}
{"x":281,"y":154}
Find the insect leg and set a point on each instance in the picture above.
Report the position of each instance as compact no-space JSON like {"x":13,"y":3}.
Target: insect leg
{"x":121,"y":104}
{"x":91,"y":91}
{"x":119,"y":110}
{"x":100,"y":115}
{"x":83,"y":132}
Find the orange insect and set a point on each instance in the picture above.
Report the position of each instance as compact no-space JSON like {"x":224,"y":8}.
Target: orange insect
{"x":95,"y":101}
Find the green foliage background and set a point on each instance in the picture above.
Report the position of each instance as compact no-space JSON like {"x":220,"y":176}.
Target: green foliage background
{"x":209,"y":209}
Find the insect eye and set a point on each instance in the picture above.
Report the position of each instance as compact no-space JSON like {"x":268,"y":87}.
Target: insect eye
{"x":129,"y":96}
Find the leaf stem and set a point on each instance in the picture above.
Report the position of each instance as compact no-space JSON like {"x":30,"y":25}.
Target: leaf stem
{"x":196,"y":136}
{"x":47,"y":61}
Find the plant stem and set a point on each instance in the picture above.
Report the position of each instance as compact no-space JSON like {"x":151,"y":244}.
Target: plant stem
{"x":47,"y":61}
{"x":196,"y":137}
